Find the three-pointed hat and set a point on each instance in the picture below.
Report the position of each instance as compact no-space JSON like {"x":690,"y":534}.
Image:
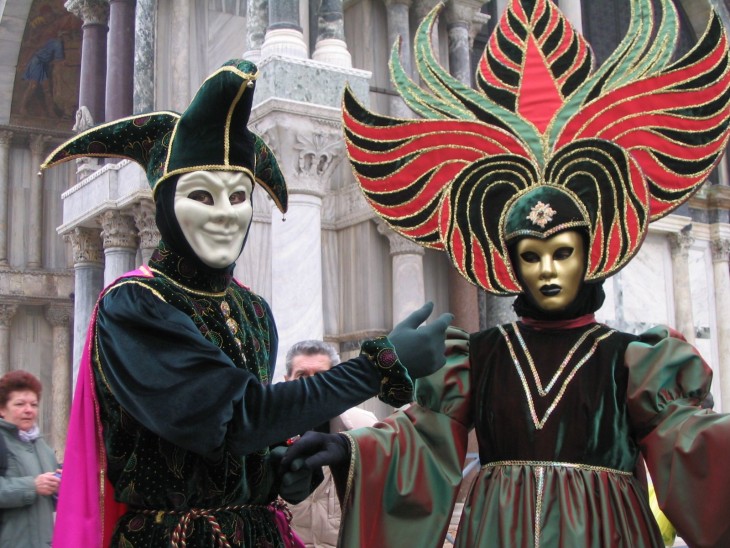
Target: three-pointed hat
{"x":211,"y":135}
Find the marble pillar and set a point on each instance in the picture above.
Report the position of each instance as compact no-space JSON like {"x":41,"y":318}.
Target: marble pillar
{"x":572,"y":11}
{"x":119,"y":239}
{"x":88,"y":283}
{"x":149,"y":234}
{"x":37,"y":144}
{"x":5,"y":138}
{"x":95,"y":15}
{"x":399,"y":28}
{"x":461,"y":24}
{"x":720,"y":255}
{"x":284,"y":34}
{"x":180,"y":55}
{"x":7,"y":311}
{"x":120,"y":60}
{"x":331,"y":46}
{"x":145,"y":23}
{"x":679,"y":245}
{"x":296,"y":268}
{"x":463,"y":296}
{"x":257,"y":20}
{"x":59,"y":317}
{"x":409,"y":291}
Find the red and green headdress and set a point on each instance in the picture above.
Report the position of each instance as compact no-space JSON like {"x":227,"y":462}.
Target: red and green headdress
{"x":211,"y":135}
{"x":545,"y":142}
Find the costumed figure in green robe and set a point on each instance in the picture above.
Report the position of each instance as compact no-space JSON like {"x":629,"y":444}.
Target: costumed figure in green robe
{"x":540,"y":183}
{"x":175,"y":428}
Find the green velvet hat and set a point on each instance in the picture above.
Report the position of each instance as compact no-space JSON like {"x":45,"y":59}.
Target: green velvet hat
{"x":542,"y":212}
{"x":211,"y":135}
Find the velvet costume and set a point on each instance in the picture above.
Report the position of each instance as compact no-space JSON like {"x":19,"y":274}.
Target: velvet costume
{"x":164,"y":340}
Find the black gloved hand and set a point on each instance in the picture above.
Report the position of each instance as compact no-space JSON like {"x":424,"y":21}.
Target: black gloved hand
{"x":295,"y":483}
{"x":421,"y":349}
{"x":314,"y":450}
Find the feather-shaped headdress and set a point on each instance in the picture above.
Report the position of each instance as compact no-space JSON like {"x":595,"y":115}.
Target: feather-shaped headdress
{"x":545,"y":142}
{"x":211,"y":135}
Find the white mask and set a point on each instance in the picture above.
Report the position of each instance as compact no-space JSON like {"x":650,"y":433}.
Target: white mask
{"x":214,"y":211}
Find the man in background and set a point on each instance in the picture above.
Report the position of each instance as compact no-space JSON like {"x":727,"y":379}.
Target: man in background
{"x":317,"y":519}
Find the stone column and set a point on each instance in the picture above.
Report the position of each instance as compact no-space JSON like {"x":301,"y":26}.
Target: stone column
{"x":149,"y":234}
{"x":119,"y":237}
{"x":5,"y":138}
{"x":120,"y":60}
{"x":331,"y":46}
{"x":296,"y":259}
{"x":679,"y":245}
{"x":61,"y":389}
{"x":460,"y":15}
{"x":463,"y":296}
{"x":88,"y":283}
{"x":572,"y":11}
{"x":399,"y":27}
{"x":409,"y":291}
{"x":7,"y":311}
{"x":35,"y":226}
{"x":284,"y":35}
{"x":145,"y":23}
{"x":180,"y":54}
{"x":720,"y":254}
{"x":95,"y":15}
{"x":257,"y":19}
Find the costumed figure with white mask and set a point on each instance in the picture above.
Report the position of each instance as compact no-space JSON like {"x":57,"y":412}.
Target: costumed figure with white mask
{"x":541,"y":183}
{"x":176,"y":432}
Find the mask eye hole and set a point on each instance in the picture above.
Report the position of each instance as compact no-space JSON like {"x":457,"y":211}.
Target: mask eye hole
{"x":529,"y":257}
{"x":237,"y":197}
{"x":202,"y":196}
{"x":563,"y":253}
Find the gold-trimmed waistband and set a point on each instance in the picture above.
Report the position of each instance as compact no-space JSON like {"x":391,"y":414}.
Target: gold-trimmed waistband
{"x":546,"y":463}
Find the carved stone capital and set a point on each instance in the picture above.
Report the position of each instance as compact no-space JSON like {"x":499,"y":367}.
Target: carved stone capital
{"x":5,"y":137}
{"x":463,"y":11}
{"x":680,"y":242}
{"x":7,"y":311}
{"x":423,"y":7}
{"x":720,"y":248}
{"x":86,"y":245}
{"x":118,"y":230}
{"x":37,"y":144}
{"x":91,"y":12}
{"x":144,"y":219}
{"x":58,"y":315}
{"x":399,"y":245}
{"x":318,"y":155}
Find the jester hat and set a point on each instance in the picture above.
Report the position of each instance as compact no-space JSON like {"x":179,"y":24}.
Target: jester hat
{"x":545,"y":142}
{"x":211,"y":135}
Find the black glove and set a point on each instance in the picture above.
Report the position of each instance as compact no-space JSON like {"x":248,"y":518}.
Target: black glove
{"x":314,"y":450}
{"x":422,"y":349}
{"x":295,"y":484}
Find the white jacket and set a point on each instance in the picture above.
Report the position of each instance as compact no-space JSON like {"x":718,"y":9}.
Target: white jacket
{"x":317,"y":518}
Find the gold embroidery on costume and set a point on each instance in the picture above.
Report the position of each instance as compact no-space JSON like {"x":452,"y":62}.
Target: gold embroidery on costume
{"x":543,"y":392}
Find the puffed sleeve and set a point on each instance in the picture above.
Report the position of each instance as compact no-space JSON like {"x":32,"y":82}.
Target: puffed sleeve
{"x":405,"y":471}
{"x":686,"y":448}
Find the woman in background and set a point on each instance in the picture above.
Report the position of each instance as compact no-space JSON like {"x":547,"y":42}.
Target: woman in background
{"x":32,"y":475}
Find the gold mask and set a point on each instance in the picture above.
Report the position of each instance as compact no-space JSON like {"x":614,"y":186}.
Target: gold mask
{"x":552,"y":269}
